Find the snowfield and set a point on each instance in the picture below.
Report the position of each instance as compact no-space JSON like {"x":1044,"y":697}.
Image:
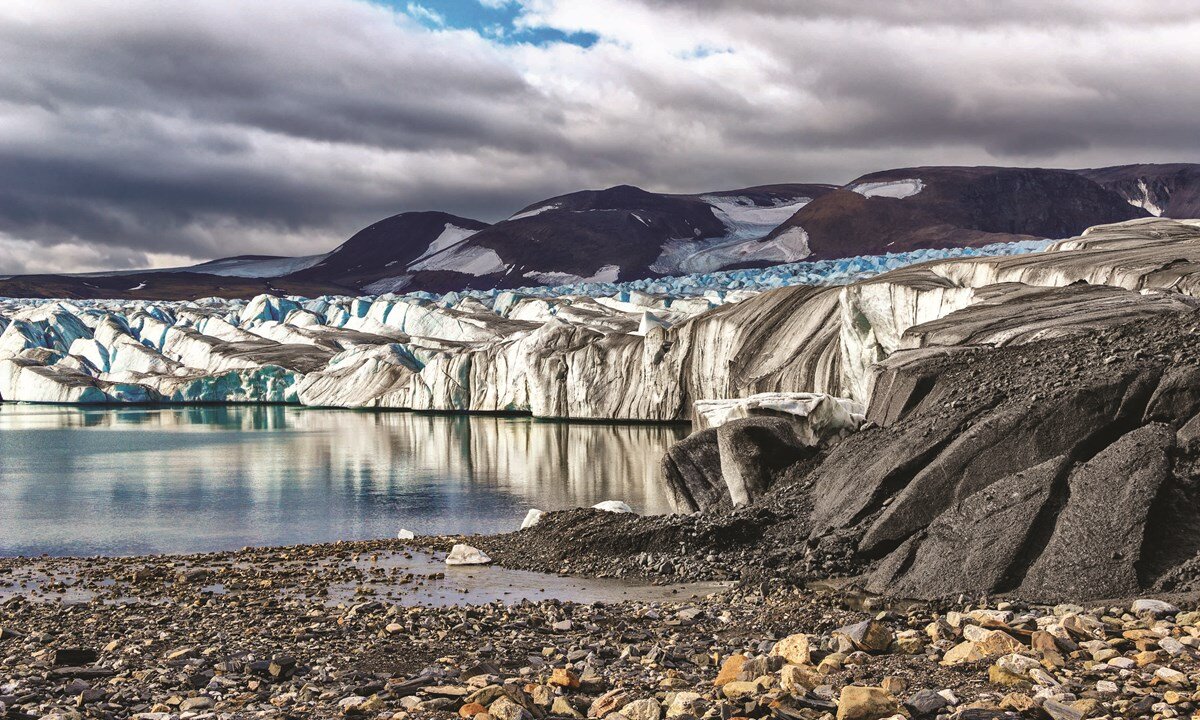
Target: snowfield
{"x":898,"y":189}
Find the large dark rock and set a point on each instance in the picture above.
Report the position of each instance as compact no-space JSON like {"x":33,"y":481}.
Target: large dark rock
{"x":1098,"y":539}
{"x":974,"y":545}
{"x":1007,"y":440}
{"x":692,"y":471}
{"x":732,"y":464}
{"x":755,"y":451}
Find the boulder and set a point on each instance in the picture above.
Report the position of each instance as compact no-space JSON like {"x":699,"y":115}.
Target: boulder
{"x":977,"y":544}
{"x":1106,"y":515}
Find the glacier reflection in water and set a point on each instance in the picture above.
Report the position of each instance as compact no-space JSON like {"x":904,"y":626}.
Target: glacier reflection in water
{"x":191,"y":479}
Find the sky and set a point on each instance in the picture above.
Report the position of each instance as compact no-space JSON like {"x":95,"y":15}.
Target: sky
{"x":152,"y":133}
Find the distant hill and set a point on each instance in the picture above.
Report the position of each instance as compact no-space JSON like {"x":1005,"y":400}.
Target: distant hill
{"x":934,"y":207}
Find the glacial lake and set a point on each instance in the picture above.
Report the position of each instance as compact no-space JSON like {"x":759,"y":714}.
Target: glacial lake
{"x":140,"y":480}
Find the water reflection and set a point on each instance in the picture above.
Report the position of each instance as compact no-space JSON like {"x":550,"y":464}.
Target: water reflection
{"x":140,"y":480}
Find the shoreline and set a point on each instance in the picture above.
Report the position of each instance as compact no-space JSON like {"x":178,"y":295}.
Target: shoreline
{"x":326,"y":631}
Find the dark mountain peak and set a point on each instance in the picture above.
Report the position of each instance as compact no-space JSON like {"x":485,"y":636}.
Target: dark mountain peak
{"x":1167,"y":189}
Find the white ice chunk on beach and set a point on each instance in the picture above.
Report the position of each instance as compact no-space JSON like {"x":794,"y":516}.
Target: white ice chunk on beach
{"x":817,"y":417}
{"x":898,"y":189}
{"x":462,"y":554}
{"x":533,"y":517}
{"x":613,"y":506}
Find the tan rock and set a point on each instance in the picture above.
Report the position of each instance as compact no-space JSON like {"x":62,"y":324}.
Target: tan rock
{"x":565,"y":678}
{"x":962,"y":653}
{"x":893,"y":685}
{"x":1019,"y":702}
{"x":865,"y":703}
{"x":730,"y":670}
{"x":609,"y":703}
{"x":794,"y":649}
{"x":797,"y":679}
{"x":563,"y":708}
{"x":685,"y":703}
{"x":1004,"y":678}
{"x":470,"y":710}
{"x":831,"y":663}
{"x":645,"y":709}
{"x":998,"y":642}
{"x":740,"y":690}
{"x":505,"y":709}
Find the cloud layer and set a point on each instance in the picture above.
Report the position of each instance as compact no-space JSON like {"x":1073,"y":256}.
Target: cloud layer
{"x":147,"y":132}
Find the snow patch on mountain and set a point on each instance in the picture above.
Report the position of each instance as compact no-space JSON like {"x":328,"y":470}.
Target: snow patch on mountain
{"x":898,"y":189}
{"x":451,"y":236}
{"x":606,"y":274}
{"x":1144,"y":200}
{"x":747,"y":220}
{"x":535,"y":211}
{"x":388,"y":285}
{"x":471,"y":260}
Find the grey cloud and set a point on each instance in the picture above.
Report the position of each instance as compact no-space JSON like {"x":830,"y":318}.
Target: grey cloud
{"x":221,"y":128}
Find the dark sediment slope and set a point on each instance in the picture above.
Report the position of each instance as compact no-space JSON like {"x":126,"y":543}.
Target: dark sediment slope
{"x":1060,"y":469}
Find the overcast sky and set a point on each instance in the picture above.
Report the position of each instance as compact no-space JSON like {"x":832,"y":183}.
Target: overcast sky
{"x":158,"y":132}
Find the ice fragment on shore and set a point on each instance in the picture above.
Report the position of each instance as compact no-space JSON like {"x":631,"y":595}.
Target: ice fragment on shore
{"x":613,"y":506}
{"x":462,"y":554}
{"x":532,"y":518}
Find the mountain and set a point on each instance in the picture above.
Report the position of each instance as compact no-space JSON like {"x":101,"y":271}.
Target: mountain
{"x":1171,"y":190}
{"x":386,"y":249}
{"x":934,"y":207}
{"x":624,"y":233}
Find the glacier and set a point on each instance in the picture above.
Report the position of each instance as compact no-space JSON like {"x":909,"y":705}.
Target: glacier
{"x":649,"y":349}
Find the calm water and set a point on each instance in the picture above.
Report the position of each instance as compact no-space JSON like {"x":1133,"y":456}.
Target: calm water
{"x":150,"y":480}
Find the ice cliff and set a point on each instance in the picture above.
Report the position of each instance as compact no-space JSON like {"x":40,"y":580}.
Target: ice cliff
{"x":640,"y":350}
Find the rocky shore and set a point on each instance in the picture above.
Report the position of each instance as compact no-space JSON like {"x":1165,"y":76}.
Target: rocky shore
{"x":332,"y":631}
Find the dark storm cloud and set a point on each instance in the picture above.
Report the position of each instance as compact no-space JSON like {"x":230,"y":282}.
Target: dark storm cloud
{"x":154,"y":130}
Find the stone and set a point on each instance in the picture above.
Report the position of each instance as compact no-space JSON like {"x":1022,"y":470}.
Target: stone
{"x":74,"y":657}
{"x":470,"y":710}
{"x":740,"y":690}
{"x":797,"y":679}
{"x":685,"y":703}
{"x":561,"y":707}
{"x":564,"y":678}
{"x":794,"y":649}
{"x":964,"y":652}
{"x":1171,"y":676}
{"x":865,"y":703}
{"x":609,"y":703}
{"x":645,"y":709}
{"x":1150,"y":606}
{"x":462,"y":554}
{"x":925,"y":702}
{"x":730,"y":669}
{"x":1061,"y":711}
{"x":505,"y":709}
{"x":869,"y":636}
{"x":405,"y":535}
